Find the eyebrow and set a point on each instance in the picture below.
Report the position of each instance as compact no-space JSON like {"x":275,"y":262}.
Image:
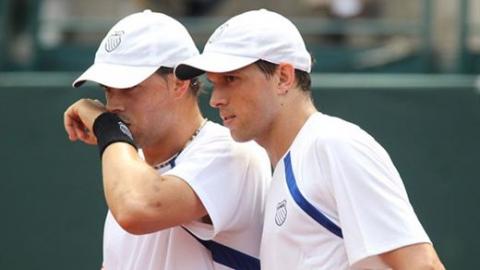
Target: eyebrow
{"x":231,"y":73}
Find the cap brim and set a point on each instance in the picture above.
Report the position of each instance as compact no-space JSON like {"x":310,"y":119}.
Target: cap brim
{"x":115,"y":76}
{"x":211,"y":62}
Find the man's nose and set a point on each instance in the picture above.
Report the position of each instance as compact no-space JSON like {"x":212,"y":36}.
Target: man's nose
{"x":217,"y":99}
{"x":115,"y":102}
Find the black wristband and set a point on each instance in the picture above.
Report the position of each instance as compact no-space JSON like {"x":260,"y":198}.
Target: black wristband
{"x":109,"y":128}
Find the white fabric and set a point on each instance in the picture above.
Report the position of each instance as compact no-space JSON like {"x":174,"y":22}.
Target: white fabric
{"x":136,"y":47}
{"x":245,"y":38}
{"x":231,"y":179}
{"x":349,"y":177}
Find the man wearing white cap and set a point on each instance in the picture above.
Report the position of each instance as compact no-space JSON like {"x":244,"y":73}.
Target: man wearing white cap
{"x":191,"y":198}
{"x":336,"y":200}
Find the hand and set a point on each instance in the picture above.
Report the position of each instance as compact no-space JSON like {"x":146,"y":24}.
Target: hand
{"x":79,"y":117}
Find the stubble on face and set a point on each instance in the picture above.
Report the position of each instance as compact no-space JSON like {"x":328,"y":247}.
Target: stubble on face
{"x":251,"y":103}
{"x":147,"y":111}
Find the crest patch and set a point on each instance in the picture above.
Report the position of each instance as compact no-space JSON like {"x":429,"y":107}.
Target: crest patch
{"x":113,"y":41}
{"x":281,"y":214}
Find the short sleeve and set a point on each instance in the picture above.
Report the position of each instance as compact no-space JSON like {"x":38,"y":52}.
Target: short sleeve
{"x":221,"y":173}
{"x":373,"y":207}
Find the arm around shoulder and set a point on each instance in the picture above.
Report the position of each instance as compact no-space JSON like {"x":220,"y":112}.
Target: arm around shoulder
{"x":413,"y":257}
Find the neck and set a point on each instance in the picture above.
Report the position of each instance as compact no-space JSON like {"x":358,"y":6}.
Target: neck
{"x":180,"y":132}
{"x":285,"y":127}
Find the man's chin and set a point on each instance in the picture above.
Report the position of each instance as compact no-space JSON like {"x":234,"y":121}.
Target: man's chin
{"x":238,"y":137}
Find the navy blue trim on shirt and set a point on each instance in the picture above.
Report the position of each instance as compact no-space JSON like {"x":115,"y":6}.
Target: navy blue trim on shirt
{"x":173,"y":162}
{"x":228,"y":256}
{"x":304,"y":204}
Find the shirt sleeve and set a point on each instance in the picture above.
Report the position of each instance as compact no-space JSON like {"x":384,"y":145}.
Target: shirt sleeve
{"x":216,"y":170}
{"x":373,"y":207}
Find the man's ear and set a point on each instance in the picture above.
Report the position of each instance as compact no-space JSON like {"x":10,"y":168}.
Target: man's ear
{"x":181,"y":87}
{"x":286,"y":77}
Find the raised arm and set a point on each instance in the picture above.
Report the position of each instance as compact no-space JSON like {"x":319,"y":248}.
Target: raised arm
{"x":139,"y":198}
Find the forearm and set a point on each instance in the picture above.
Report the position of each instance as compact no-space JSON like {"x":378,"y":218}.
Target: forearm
{"x":139,"y":198}
{"x":129,"y":185}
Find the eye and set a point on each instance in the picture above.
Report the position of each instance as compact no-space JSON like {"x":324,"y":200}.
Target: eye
{"x":230,"y":78}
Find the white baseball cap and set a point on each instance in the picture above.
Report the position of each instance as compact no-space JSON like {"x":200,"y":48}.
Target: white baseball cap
{"x":246,"y":38}
{"x":136,"y":47}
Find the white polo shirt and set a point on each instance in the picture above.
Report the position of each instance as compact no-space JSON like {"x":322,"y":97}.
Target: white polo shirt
{"x":347,"y":176}
{"x":231,"y":180}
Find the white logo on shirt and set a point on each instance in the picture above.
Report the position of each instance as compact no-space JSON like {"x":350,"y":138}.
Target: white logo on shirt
{"x":281,"y":214}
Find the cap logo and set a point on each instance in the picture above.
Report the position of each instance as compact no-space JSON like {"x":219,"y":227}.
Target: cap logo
{"x":216,"y":35}
{"x":113,"y":41}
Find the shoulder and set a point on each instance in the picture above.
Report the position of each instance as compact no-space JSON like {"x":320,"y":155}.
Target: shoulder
{"x":330,"y":136}
{"x":212,"y":136}
{"x":213,"y":132}
{"x":254,"y":154}
{"x":216,"y":138}
{"x":321,"y":129}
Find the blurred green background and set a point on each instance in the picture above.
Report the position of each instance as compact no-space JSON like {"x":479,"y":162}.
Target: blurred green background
{"x":404,"y":71}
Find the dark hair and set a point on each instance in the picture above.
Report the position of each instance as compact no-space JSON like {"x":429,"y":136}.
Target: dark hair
{"x":304,"y":82}
{"x":195,"y":85}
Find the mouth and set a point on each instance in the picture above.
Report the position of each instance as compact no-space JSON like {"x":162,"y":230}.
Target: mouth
{"x":227,"y":119}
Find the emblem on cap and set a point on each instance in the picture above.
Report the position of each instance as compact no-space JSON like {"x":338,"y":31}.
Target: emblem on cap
{"x":113,"y":41}
{"x":281,"y":214}
{"x":217,"y":33}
